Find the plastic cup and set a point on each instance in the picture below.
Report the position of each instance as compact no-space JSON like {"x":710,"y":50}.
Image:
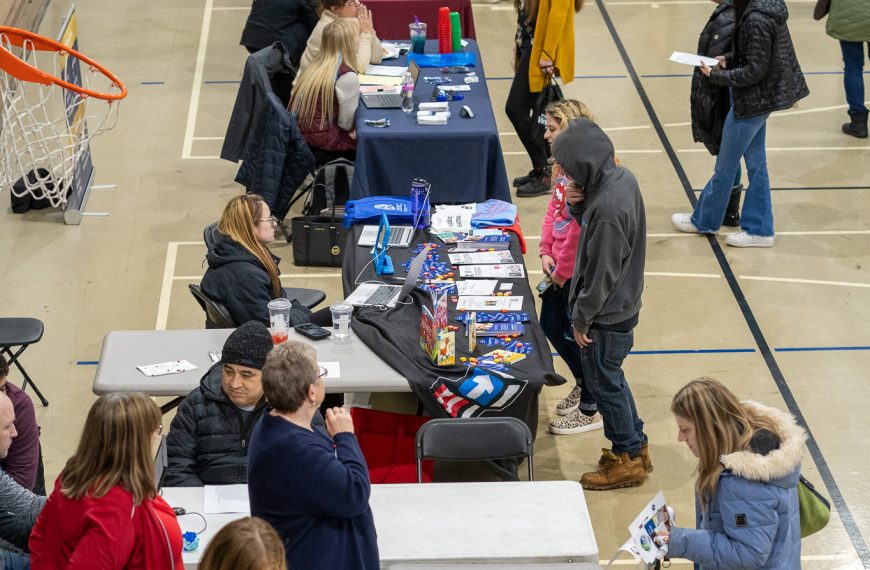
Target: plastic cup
{"x":418,"y":36}
{"x":279,"y":320}
{"x":341,"y":314}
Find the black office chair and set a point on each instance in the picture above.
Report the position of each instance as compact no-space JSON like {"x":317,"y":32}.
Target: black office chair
{"x":216,"y":315}
{"x":474,"y":439}
{"x":307,"y":297}
{"x":19,"y":333}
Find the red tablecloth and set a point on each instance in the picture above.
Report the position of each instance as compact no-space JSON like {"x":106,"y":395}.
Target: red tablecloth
{"x":391,"y":17}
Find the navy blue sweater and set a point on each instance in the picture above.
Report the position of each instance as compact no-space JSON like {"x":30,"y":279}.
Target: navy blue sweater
{"x":315,"y":493}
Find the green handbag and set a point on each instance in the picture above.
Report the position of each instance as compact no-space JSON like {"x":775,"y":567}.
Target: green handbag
{"x":814,"y":508}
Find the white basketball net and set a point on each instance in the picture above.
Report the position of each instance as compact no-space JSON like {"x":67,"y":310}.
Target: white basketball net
{"x":46,"y":128}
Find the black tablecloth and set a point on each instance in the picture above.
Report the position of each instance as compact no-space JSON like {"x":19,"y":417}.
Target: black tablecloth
{"x":392,"y":17}
{"x":462,"y":160}
{"x":393,"y":334}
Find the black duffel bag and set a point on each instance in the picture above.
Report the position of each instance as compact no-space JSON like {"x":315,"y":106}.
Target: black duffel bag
{"x":318,"y":240}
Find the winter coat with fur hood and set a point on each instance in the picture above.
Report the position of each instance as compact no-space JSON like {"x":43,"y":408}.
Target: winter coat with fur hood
{"x":753,"y":519}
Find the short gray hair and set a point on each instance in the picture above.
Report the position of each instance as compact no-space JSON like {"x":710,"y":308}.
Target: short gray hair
{"x":290,"y":369}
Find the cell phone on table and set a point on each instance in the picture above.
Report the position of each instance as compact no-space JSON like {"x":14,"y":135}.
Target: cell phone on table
{"x":312,"y":331}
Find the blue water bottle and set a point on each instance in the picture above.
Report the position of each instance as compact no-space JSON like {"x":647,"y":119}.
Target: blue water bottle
{"x":420,"y":203}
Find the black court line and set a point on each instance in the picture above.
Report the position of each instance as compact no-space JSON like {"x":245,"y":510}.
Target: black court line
{"x":778,"y":378}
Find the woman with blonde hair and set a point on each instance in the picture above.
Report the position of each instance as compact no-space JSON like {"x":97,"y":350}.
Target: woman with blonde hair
{"x":242,"y":273}
{"x":246,"y":544}
{"x":326,"y":93}
{"x":749,"y":459}
{"x":368,"y":49}
{"x":105,"y":512}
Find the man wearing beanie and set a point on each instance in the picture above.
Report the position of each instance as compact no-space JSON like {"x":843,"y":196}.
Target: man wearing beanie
{"x":208,"y":439}
{"x":605,"y":292}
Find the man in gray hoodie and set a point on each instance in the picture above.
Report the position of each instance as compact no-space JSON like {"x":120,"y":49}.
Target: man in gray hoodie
{"x":605,"y":292}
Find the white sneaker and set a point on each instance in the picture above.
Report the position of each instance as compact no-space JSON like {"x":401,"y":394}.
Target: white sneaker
{"x":576,"y":422}
{"x":743,"y":239}
{"x":683,"y":222}
{"x":569,"y":403}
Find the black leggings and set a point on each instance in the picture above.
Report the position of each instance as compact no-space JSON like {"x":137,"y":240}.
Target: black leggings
{"x":519,"y":105}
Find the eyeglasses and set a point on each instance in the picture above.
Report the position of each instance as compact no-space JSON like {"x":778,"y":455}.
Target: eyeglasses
{"x":271,"y":219}
{"x":323,"y":372}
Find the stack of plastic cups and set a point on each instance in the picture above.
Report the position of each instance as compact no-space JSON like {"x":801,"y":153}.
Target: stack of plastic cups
{"x":455,"y":32}
{"x":445,"y":41}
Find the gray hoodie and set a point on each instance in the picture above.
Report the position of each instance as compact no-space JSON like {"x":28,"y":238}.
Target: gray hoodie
{"x":608,"y":275}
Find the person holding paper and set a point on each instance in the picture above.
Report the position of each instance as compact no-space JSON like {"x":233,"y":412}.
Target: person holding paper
{"x":311,"y":484}
{"x":326,"y":94}
{"x":749,"y":458}
{"x":605,"y":295}
{"x":105,"y":511}
{"x":764,"y":76}
{"x":367,"y":50}
{"x":560,"y":236}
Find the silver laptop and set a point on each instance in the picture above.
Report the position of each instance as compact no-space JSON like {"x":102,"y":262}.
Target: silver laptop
{"x":381,"y":294}
{"x":389,"y":100}
{"x":400,"y":236}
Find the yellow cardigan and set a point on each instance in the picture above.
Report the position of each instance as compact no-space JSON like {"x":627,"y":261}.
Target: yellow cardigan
{"x":554,"y":34}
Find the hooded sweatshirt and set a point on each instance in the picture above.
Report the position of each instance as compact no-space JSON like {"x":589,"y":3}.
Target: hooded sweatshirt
{"x":608,"y":272}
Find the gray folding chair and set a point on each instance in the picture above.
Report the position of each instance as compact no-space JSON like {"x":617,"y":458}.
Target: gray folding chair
{"x":474,"y":439}
{"x":308,"y":297}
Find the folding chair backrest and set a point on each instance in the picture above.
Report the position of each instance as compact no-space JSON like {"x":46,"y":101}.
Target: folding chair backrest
{"x":474,"y":439}
{"x":216,"y":315}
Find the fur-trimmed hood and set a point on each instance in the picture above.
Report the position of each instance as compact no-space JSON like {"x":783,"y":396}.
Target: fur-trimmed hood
{"x":780,"y":465}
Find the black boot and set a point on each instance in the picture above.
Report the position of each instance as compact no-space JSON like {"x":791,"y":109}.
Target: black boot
{"x":858,"y":126}
{"x":523,"y":180}
{"x":538,"y":185}
{"x":732,"y":212}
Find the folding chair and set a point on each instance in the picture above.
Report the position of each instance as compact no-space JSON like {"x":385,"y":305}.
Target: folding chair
{"x":308,"y":297}
{"x":474,"y":439}
{"x":19,"y":333}
{"x":216,"y":315}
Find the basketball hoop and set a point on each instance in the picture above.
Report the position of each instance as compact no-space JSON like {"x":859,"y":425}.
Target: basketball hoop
{"x":54,"y":100}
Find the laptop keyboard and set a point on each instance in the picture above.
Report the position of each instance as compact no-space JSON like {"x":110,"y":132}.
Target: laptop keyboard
{"x":387,"y":99}
{"x":401,"y":235}
{"x":381,"y":296}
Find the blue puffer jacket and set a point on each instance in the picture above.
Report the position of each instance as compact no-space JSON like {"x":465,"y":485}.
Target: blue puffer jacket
{"x":753,"y":519}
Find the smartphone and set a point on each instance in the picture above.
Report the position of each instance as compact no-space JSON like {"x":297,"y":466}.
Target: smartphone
{"x":312,"y":331}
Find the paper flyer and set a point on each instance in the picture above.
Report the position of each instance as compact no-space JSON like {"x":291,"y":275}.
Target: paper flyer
{"x":643,"y":528}
{"x":693,"y":59}
{"x":480,"y":257}
{"x":477,"y":287}
{"x":499,"y":271}
{"x":504,"y":303}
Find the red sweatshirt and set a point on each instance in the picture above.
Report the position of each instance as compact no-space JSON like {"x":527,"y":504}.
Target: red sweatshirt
{"x":560,"y":234}
{"x":105,"y":534}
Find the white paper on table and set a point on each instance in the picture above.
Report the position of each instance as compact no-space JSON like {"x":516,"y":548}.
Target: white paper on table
{"x":392,"y":50}
{"x":453,"y":218}
{"x":490,"y":304}
{"x":382,"y":80}
{"x":500,"y":271}
{"x":163,"y":368}
{"x":333,"y":369}
{"x":693,"y":59}
{"x":483,"y":287}
{"x":454,"y":88}
{"x":386,"y":70}
{"x":480,"y":258}
{"x":219,"y":499}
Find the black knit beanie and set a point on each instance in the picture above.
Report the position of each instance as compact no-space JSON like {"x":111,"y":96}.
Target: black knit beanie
{"x":248,"y":345}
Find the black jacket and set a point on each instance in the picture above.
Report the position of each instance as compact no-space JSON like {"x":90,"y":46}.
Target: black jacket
{"x":709,"y":103}
{"x":763,"y":70}
{"x":277,"y":158}
{"x":208,"y":439}
{"x":237,"y":280}
{"x":288,"y":21}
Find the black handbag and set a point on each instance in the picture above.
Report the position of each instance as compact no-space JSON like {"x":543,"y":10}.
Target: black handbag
{"x":318,"y":240}
{"x":551,"y":93}
{"x":821,"y":9}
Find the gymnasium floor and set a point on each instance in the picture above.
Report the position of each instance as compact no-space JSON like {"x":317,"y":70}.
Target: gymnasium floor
{"x":787,"y":326}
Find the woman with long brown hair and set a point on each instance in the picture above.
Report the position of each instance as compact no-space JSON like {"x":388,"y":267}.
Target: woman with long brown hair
{"x":242,"y":273}
{"x":246,"y":544}
{"x":749,"y":459}
{"x":105,"y":512}
{"x":550,"y":23}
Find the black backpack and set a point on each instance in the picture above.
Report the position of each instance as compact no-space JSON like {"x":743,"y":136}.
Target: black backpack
{"x":331,"y":188}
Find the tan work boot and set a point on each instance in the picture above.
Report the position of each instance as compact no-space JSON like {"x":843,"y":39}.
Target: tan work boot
{"x":644,"y":455}
{"x":619,"y":471}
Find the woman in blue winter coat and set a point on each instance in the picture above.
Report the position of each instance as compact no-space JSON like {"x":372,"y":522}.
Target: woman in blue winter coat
{"x":748,"y":468}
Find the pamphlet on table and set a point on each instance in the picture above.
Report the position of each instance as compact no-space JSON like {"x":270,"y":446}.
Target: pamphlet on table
{"x":503,"y":303}
{"x":164,"y":368}
{"x":476,"y":287}
{"x":500,"y":271}
{"x":480,"y":258}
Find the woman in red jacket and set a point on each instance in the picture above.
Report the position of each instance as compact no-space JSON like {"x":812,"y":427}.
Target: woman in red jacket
{"x":104,"y":512}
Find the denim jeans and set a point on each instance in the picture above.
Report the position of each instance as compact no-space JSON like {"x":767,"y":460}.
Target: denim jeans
{"x":555,"y":322}
{"x":853,"y":74}
{"x":602,"y":369}
{"x":12,"y":561}
{"x":740,"y":138}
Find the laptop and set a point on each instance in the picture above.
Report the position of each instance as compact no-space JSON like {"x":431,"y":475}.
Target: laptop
{"x":400,"y":236}
{"x":389,"y":100}
{"x":381,"y":294}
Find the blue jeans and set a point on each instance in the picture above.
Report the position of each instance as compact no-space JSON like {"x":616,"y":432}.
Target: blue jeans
{"x":740,"y":138}
{"x":602,"y":369}
{"x":12,"y":561}
{"x":853,"y":74}
{"x":557,"y":325}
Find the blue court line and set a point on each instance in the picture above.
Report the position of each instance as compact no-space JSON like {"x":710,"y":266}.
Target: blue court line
{"x":575,"y":77}
{"x":87,"y":362}
{"x":221,"y":82}
{"x":151,"y":83}
{"x":820,"y":348}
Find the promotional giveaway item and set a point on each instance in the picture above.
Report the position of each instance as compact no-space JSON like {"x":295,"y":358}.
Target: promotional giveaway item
{"x":445,"y":39}
{"x":436,"y":340}
{"x":420,"y":190}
